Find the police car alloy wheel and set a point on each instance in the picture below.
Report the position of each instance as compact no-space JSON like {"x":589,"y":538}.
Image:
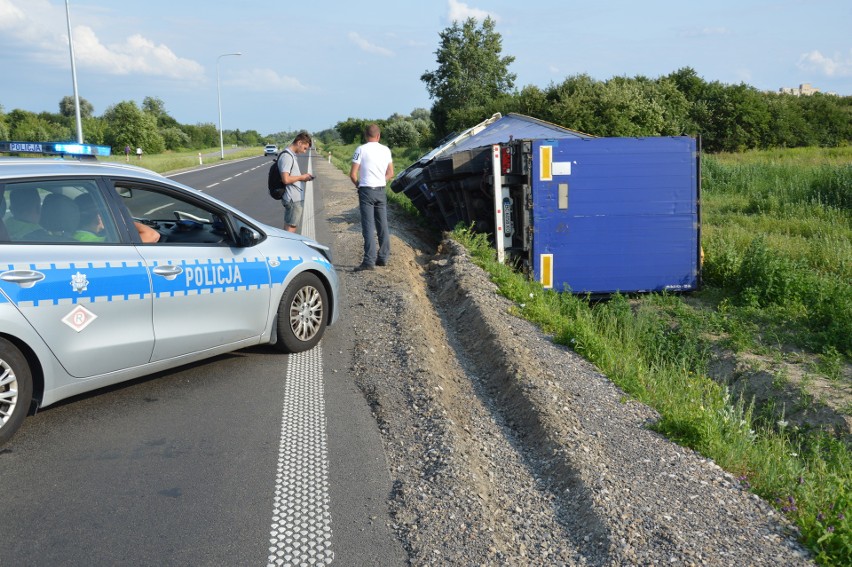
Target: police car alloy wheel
{"x":16,"y":389}
{"x":302,"y":314}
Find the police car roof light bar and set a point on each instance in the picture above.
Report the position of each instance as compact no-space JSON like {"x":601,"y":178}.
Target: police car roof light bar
{"x":72,"y":149}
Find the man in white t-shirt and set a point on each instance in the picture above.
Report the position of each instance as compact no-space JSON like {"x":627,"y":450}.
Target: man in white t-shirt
{"x":372,"y":168}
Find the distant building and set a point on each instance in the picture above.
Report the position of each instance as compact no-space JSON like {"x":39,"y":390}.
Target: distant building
{"x":805,"y":89}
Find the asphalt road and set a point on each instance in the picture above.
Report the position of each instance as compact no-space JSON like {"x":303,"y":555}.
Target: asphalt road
{"x":251,"y":458}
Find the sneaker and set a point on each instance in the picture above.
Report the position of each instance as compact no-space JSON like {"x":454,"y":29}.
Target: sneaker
{"x":381,"y":262}
{"x":362,"y":267}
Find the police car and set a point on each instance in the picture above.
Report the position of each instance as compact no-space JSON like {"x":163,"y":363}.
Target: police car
{"x":86,"y":302}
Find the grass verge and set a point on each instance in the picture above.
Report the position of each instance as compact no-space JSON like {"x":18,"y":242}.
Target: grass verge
{"x":175,"y":161}
{"x":653,"y":349}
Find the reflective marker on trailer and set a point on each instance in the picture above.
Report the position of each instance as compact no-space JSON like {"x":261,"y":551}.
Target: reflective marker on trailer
{"x":546,"y":268}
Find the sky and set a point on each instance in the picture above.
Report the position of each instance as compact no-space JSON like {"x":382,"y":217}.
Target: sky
{"x":309,"y":65}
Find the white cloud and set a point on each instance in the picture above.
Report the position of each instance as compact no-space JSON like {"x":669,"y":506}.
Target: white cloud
{"x":263,"y":80}
{"x":41,"y":27}
{"x":137,"y":54}
{"x":369,"y":47}
{"x":10,"y":16}
{"x":459,"y":12}
{"x":835,"y":66}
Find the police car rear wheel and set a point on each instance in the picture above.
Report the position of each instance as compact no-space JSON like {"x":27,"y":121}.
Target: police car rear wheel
{"x":16,"y":389}
{"x":302,"y":314}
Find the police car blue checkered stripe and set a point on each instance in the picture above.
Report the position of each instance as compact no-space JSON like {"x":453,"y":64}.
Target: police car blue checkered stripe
{"x":131,"y":280}
{"x":211,"y":276}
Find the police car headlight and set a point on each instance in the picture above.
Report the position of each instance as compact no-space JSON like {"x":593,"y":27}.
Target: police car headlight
{"x":324,"y":250}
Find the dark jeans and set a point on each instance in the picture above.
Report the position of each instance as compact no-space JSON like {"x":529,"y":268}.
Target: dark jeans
{"x":374,"y":215}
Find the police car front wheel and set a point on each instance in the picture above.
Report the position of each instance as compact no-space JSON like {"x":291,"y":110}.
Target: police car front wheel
{"x":16,"y":389}
{"x":302,"y":314}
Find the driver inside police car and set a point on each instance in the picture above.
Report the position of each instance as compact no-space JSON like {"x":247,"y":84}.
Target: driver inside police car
{"x":91,"y":223}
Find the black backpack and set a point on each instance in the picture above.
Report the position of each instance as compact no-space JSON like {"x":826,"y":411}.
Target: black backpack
{"x":274,"y":184}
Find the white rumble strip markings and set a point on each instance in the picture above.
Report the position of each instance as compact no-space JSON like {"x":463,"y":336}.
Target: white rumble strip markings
{"x":301,"y":521}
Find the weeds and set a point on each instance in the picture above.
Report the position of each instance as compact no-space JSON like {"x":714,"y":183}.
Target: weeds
{"x":778,"y":240}
{"x":654,"y":349}
{"x":173,"y":161}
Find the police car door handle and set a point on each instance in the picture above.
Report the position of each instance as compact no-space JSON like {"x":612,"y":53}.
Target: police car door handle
{"x":169,"y":271}
{"x":24,"y":278}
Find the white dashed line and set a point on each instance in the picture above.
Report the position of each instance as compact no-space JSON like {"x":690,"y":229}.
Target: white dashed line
{"x":308,"y":225}
{"x":301,"y":520}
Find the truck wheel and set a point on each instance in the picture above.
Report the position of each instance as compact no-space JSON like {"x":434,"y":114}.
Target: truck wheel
{"x":16,"y":389}
{"x":302,"y":314}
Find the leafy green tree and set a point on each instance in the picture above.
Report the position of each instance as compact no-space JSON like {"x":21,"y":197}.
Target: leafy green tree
{"x":67,"y":109}
{"x":352,"y":129}
{"x":127,"y":125}
{"x":471,"y":73}
{"x":688,"y":82}
{"x":329,"y":136}
{"x":641,"y":107}
{"x":174,"y":138}
{"x":830,"y":122}
{"x":421,"y":114}
{"x":424,"y":130}
{"x":28,"y":127}
{"x":787,"y":125}
{"x":735,"y":118}
{"x":157,"y":108}
{"x":572,"y":103}
{"x":94,"y":130}
{"x":532,"y":101}
{"x":4,"y":126}
{"x":244,"y":138}
{"x":202,"y":135}
{"x":401,"y":133}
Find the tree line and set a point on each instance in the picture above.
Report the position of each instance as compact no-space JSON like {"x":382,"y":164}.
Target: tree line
{"x":472,"y":82}
{"x":148,"y":126}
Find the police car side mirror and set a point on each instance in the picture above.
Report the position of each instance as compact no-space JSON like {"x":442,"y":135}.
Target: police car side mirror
{"x":248,"y":237}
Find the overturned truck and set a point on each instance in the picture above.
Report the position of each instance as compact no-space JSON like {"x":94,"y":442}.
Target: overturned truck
{"x":576,"y":212}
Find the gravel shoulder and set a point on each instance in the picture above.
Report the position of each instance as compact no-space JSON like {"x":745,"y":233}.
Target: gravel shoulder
{"x":506,"y":449}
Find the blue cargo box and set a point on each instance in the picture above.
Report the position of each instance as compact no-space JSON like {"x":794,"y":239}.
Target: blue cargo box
{"x":616,"y":214}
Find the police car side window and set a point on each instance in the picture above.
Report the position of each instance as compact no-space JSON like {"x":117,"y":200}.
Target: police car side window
{"x":176,"y":219}
{"x":57,"y":211}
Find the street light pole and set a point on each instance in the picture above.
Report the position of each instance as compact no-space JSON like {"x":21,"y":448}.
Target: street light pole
{"x":74,"y":76}
{"x":219,"y":99}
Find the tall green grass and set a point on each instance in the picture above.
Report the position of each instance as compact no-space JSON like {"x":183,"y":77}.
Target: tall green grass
{"x":174,"y":161}
{"x":778,"y":238}
{"x":655,"y":349}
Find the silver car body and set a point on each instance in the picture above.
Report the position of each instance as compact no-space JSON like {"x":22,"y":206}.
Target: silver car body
{"x":90,"y":315}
